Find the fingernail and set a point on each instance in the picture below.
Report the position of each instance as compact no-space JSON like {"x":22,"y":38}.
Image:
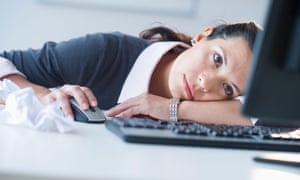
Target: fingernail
{"x":85,"y":105}
{"x":94,"y":103}
{"x":71,"y":117}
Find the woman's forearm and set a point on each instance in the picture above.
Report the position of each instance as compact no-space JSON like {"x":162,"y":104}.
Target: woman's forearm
{"x":220,"y":112}
{"x":9,"y":71}
{"x":22,"y":82}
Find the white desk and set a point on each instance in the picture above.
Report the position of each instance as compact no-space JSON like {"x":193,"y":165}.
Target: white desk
{"x":93,"y":152}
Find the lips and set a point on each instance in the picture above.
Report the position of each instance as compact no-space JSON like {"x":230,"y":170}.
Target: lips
{"x":187,"y":88}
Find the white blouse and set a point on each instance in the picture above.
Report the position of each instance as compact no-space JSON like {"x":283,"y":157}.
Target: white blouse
{"x":8,"y":68}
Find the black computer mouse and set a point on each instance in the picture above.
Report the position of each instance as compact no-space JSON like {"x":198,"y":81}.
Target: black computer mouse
{"x":91,"y":115}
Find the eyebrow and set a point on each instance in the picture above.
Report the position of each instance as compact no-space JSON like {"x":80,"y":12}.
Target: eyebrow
{"x":236,"y":88}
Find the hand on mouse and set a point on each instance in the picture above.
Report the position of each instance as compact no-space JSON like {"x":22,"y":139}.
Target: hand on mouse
{"x":83,"y":95}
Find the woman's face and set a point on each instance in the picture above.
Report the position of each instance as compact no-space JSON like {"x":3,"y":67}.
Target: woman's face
{"x":211,"y":70}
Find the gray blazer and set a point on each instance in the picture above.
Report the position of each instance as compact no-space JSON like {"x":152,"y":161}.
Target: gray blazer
{"x":99,"y":61}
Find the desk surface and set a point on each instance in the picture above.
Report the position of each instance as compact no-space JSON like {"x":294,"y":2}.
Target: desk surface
{"x":93,"y":152}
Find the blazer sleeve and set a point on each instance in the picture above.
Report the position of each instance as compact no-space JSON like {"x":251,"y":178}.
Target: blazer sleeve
{"x":100,"y":61}
{"x":74,"y":61}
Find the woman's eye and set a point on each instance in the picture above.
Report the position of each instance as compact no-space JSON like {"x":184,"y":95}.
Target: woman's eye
{"x":228,"y":90}
{"x":218,"y":60}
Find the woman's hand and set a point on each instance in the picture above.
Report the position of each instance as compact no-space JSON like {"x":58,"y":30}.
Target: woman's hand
{"x":83,"y":95}
{"x":145,"y":104}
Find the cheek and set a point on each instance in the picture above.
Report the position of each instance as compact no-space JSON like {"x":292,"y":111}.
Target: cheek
{"x":197,"y":65}
{"x":192,"y":61}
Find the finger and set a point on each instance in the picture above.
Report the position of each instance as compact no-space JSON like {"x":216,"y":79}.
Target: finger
{"x":137,"y":101}
{"x":65,"y":105}
{"x":90,"y":96}
{"x":133,"y":111}
{"x":115,"y":110}
{"x":127,"y":109}
{"x":118,"y":109}
{"x":76,"y":92}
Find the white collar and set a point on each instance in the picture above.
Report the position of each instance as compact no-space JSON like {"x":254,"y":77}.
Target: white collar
{"x":138,"y":79}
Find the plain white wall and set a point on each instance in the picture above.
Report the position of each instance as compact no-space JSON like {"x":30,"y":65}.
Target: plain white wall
{"x":29,"y":23}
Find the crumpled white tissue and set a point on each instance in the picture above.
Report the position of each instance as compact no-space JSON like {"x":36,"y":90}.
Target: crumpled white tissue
{"x":22,"y":108}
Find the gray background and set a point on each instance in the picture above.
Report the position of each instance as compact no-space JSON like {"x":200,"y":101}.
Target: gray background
{"x":29,"y":23}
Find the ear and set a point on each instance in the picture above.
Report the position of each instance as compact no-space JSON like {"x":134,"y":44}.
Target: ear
{"x":203,"y":34}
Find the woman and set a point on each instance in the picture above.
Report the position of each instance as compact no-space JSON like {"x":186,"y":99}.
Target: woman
{"x":206,"y":73}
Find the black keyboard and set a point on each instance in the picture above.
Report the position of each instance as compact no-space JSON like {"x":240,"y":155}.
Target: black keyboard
{"x":190,"y":133}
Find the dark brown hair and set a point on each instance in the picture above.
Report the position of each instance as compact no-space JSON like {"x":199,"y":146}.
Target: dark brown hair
{"x":247,"y":30}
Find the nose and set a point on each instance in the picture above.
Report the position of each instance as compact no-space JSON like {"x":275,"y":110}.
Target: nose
{"x":206,"y":81}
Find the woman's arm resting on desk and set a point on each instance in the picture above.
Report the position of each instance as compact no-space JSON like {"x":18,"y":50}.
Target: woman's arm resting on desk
{"x":22,"y":82}
{"x":220,"y":112}
{"x":83,"y":95}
